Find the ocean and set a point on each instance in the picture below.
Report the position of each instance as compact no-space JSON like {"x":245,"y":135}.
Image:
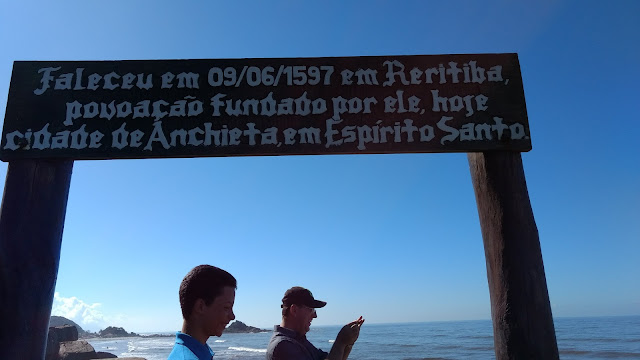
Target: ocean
{"x":578,"y":338}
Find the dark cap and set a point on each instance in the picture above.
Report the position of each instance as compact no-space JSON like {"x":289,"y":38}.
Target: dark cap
{"x":300,"y":296}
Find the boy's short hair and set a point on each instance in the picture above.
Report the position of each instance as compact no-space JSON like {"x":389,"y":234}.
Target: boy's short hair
{"x":203,"y":282}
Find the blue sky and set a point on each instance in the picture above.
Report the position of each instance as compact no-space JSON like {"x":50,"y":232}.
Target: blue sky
{"x":394,"y":238}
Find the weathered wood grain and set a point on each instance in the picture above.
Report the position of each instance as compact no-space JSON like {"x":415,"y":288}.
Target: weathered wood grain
{"x":31,"y":223}
{"x":522,"y":322}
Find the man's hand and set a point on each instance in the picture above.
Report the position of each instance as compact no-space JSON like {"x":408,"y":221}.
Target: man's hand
{"x":345,"y":340}
{"x":350,"y":332}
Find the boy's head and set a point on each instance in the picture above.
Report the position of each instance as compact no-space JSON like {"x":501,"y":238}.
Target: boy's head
{"x":207,"y":294}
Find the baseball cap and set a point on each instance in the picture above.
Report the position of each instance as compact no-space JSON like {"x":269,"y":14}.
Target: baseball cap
{"x":300,"y":296}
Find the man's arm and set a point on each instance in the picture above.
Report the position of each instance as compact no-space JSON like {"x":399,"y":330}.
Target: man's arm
{"x":339,"y":351}
{"x":347,"y":351}
{"x":344,"y":341}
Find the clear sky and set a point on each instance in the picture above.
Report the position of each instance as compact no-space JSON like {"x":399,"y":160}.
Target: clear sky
{"x":394,"y":238}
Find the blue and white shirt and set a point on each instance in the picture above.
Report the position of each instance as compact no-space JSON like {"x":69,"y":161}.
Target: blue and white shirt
{"x":188,"y":348}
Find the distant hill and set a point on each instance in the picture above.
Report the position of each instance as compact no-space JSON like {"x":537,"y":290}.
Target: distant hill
{"x":59,"y":321}
{"x":236,"y":327}
{"x":109,"y":332}
{"x":112,"y":331}
{"x":240,"y":327}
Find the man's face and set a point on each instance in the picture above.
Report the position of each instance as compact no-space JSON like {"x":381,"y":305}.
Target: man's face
{"x":306,"y":315}
{"x":220,"y":312}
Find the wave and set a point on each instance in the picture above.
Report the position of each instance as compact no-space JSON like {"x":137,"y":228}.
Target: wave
{"x":480,"y":337}
{"x":481,"y":348}
{"x":247,"y":349}
{"x":220,"y":341}
{"x":447,"y":346}
{"x":592,"y":340}
{"x":602,"y":354}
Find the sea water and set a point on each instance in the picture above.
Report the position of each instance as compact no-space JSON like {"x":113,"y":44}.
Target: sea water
{"x":578,"y":338}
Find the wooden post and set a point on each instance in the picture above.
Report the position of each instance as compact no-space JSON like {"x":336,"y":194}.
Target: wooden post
{"x":31,"y":223}
{"x":520,"y":309}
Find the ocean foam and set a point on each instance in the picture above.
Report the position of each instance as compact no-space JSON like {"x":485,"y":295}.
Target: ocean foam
{"x":240,"y":348}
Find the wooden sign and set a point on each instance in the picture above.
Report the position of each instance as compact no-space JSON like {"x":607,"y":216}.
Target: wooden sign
{"x":232,"y":107}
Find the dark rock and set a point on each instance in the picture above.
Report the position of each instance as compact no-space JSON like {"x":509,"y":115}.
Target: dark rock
{"x":56,"y":335}
{"x":64,"y":333}
{"x":126,"y":358}
{"x":57,"y":321}
{"x":114,"y":357}
{"x":104,"y":355}
{"x":239,"y":327}
{"x":76,"y":350}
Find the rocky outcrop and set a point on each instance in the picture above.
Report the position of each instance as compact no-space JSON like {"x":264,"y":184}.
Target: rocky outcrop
{"x":58,"y":321}
{"x":63,"y":344}
{"x":76,"y":350}
{"x":56,"y":336}
{"x":238,"y":327}
{"x":112,"y":331}
{"x":105,"y":355}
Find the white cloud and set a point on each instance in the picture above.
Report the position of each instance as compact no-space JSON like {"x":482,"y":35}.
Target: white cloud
{"x":88,"y":316}
{"x":92,"y":318}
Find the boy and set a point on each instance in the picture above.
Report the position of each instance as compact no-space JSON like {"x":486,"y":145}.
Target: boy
{"x":207,"y":294}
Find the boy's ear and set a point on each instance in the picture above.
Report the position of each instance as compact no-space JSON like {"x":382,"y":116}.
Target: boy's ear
{"x":198,"y":306}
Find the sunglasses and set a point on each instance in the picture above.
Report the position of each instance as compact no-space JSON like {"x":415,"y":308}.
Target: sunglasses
{"x":313,"y":310}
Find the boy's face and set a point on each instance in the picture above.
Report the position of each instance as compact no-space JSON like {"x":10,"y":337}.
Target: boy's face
{"x":220,"y":312}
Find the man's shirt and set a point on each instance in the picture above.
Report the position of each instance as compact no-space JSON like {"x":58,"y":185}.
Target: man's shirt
{"x":188,"y":348}
{"x":286,"y":344}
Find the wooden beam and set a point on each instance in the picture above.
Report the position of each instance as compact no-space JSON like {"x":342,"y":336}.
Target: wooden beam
{"x":31,"y":222}
{"x":520,"y":309}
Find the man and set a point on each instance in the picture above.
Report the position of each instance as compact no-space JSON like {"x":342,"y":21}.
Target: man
{"x":289,"y":341}
{"x":207,"y":294}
